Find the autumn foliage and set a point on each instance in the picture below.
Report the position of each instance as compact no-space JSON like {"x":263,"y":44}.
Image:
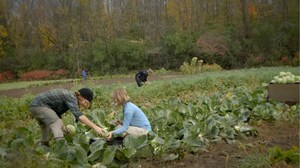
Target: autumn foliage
{"x":6,"y":76}
{"x":44,"y":74}
{"x":34,"y":75}
{"x":110,"y":37}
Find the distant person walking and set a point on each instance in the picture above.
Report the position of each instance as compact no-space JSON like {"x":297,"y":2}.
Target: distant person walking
{"x":84,"y":74}
{"x":141,"y":77}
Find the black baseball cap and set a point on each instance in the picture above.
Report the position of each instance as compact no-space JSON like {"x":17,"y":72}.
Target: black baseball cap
{"x":87,"y":94}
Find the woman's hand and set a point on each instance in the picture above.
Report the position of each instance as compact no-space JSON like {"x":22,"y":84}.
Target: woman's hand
{"x":109,"y":136}
{"x":117,"y":122}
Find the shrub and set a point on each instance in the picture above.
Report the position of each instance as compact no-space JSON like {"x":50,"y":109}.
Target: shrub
{"x":295,"y":59}
{"x":120,"y":55}
{"x":192,"y":68}
{"x":161,"y":70}
{"x":6,"y":76}
{"x":211,"y":67}
{"x":176,"y":47}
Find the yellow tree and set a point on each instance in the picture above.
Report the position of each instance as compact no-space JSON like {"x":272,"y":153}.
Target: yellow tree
{"x":185,"y":14}
{"x":3,"y":36}
{"x":3,"y":30}
{"x":173,"y":13}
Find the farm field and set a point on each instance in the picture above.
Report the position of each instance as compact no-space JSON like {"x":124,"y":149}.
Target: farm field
{"x":211,"y":119}
{"x":18,"y":89}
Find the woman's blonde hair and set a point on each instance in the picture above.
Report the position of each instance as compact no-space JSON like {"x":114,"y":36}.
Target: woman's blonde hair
{"x":120,"y":96}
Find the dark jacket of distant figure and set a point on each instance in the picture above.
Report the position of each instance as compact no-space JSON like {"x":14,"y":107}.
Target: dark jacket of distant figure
{"x":141,"y":77}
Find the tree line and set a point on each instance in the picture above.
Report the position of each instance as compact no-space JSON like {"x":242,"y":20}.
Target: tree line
{"x":113,"y":36}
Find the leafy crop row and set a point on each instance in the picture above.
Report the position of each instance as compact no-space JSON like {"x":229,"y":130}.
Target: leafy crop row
{"x":187,"y":115}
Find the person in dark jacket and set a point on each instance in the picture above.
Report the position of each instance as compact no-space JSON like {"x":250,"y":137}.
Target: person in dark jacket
{"x":141,"y":77}
{"x":48,"y":107}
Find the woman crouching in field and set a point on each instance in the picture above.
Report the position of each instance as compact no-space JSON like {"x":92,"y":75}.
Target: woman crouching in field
{"x":135,"y":122}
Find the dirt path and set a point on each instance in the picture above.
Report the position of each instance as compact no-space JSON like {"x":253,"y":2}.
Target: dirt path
{"x":17,"y":93}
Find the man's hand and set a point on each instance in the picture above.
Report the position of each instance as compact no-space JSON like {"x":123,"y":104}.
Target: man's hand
{"x":87,"y":122}
{"x":99,"y":130}
{"x":65,"y":130}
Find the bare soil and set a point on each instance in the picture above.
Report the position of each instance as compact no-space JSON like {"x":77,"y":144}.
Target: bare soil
{"x":219,"y":155}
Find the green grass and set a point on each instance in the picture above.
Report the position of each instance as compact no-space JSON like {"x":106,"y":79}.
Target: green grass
{"x":17,"y":85}
{"x":274,"y":158}
{"x":26,"y":84}
{"x":265,"y":73}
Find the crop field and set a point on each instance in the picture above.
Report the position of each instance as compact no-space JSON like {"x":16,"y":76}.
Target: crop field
{"x":189,"y":115}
